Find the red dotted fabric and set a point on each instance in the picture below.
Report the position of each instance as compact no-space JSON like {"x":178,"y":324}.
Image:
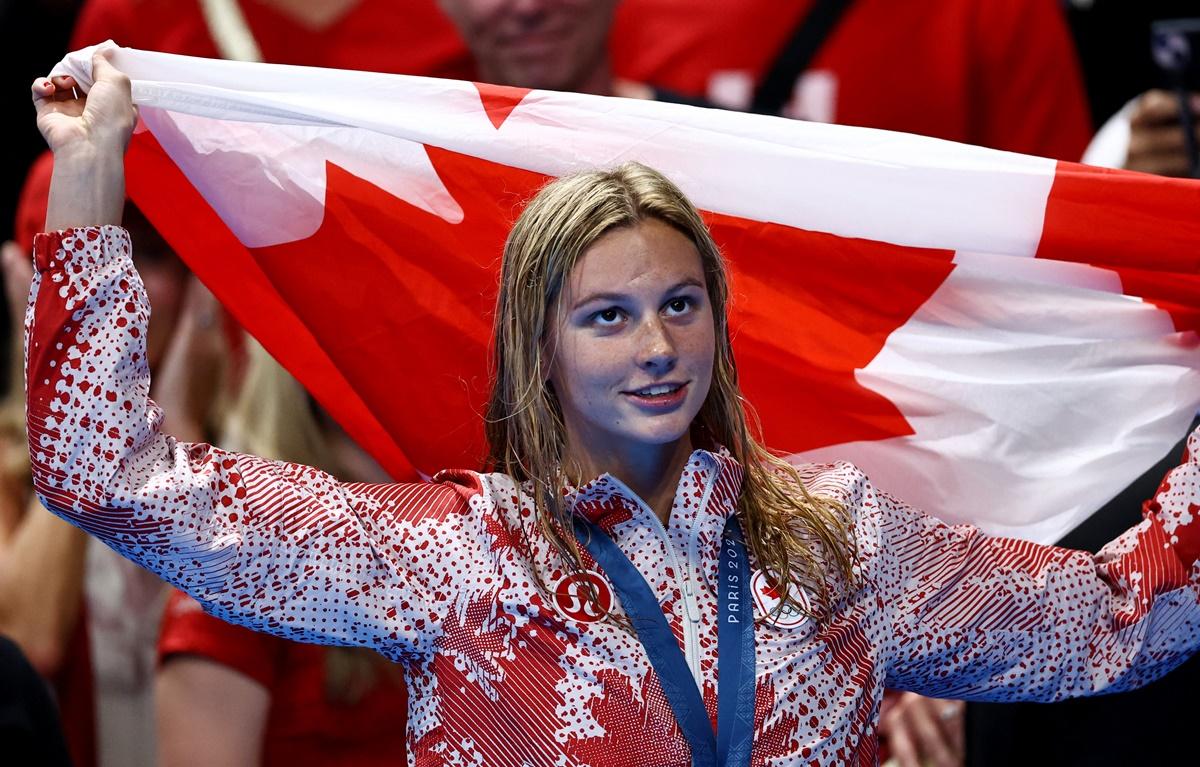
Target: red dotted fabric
{"x":454,"y":579}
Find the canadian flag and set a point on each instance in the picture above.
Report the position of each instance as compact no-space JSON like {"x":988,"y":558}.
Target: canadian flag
{"x":996,"y":338}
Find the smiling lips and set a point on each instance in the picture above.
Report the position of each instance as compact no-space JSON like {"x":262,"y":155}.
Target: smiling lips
{"x":659,"y":397}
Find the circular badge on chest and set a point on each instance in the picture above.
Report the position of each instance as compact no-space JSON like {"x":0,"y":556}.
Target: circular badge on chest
{"x":766,"y":599}
{"x":573,"y":596}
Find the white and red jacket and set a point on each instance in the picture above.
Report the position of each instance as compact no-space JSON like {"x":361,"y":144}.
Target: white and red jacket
{"x":441,"y":575}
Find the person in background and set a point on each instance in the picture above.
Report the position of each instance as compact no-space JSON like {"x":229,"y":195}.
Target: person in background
{"x":85,"y":619}
{"x":227,"y":695}
{"x":558,"y":45}
{"x":401,"y":36}
{"x":997,"y":73}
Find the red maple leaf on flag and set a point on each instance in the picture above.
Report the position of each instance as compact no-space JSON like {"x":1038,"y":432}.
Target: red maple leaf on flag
{"x":402,"y":300}
{"x":809,"y":309}
{"x":1106,"y":224}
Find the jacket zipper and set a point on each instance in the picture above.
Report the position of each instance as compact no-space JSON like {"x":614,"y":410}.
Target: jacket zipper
{"x":691,"y":618}
{"x":683,"y":580}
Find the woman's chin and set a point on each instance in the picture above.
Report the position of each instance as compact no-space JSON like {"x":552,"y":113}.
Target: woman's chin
{"x":662,"y":434}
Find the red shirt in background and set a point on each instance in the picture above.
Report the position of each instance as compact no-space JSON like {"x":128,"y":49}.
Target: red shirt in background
{"x":303,"y":728}
{"x":74,"y":689}
{"x":409,"y":37}
{"x":998,"y":73}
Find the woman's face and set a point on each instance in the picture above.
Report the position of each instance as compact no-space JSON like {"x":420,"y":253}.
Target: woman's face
{"x":632,"y":342}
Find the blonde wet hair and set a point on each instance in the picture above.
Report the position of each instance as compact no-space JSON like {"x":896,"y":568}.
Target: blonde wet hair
{"x":801,"y":541}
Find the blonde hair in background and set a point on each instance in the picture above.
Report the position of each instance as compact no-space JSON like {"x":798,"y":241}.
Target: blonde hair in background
{"x":799,"y":540}
{"x":272,"y":416}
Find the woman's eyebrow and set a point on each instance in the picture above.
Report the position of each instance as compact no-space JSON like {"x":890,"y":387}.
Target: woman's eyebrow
{"x":602,"y":296}
{"x":690,"y":282}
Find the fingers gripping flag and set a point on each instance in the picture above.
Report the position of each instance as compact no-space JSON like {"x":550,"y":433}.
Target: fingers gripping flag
{"x":997,"y":338}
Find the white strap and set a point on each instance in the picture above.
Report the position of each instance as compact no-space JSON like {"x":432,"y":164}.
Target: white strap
{"x":229,"y":30}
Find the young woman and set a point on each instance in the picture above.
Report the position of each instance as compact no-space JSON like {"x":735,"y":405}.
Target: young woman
{"x":638,"y":581}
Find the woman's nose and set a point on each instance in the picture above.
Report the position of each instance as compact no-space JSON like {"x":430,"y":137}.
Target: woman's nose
{"x":656,"y":350}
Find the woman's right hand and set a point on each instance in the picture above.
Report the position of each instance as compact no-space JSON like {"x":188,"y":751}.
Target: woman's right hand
{"x":102,"y":120}
{"x":88,"y":135}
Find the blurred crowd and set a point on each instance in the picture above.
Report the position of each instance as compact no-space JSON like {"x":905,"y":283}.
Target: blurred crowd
{"x":136,"y":675}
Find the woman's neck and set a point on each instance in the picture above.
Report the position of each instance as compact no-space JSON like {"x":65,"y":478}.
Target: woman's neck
{"x":651,"y":471}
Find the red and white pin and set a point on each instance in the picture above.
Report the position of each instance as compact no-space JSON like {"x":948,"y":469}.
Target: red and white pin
{"x":572,"y":596}
{"x":766,"y":599}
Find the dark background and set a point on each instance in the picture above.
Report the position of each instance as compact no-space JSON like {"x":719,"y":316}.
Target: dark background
{"x":1112,"y":37}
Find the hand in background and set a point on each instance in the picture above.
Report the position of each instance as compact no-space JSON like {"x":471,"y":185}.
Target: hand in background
{"x":922,"y":731}
{"x":186,"y":386}
{"x":16,"y":268}
{"x":1156,"y":139}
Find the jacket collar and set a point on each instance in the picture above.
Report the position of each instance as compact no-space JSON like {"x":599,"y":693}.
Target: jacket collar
{"x":607,"y":501}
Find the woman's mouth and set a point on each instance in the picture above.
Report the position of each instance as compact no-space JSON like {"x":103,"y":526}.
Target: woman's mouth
{"x":659,"y":397}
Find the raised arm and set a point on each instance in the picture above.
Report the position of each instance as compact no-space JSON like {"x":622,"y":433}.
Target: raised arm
{"x":989,"y":618}
{"x":270,"y":545}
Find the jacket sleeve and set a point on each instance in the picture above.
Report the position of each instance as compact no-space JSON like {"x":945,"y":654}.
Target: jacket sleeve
{"x":986,"y":618}
{"x":273,"y":546}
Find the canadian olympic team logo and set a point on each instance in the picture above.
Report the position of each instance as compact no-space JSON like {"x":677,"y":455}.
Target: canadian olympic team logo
{"x":766,"y":598}
{"x":573,"y":596}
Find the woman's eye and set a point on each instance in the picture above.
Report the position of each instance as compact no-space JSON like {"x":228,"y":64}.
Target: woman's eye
{"x":607,"y":316}
{"x":678,"y":305}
